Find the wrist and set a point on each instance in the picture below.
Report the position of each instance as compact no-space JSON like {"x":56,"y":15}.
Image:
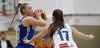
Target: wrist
{"x":39,"y":17}
{"x":30,"y":41}
{"x":87,"y":37}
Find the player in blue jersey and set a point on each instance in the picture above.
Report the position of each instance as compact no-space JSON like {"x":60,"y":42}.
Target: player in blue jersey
{"x":60,"y":32}
{"x":27,"y":25}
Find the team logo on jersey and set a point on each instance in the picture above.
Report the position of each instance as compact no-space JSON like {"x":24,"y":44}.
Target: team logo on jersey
{"x":66,"y":45}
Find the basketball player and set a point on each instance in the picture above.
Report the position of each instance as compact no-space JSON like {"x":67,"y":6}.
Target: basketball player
{"x":60,"y":32}
{"x":27,"y":25}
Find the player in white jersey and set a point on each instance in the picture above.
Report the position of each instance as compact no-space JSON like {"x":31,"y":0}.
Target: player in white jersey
{"x":63,"y":38}
{"x":60,"y":32}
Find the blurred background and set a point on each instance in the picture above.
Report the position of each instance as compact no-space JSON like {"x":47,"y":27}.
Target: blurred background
{"x":84,"y":15}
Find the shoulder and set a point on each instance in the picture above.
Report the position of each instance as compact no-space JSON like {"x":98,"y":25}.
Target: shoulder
{"x":73,"y":28}
{"x":67,"y":25}
{"x":26,"y":21}
{"x":28,"y":18}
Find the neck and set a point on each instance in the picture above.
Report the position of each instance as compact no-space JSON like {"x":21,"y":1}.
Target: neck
{"x":25,"y":15}
{"x":3,"y":39}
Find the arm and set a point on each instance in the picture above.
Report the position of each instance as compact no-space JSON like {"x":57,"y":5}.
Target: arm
{"x":81,"y":35}
{"x":35,"y":27}
{"x":38,"y":21}
{"x":38,"y":36}
{"x":32,"y":21}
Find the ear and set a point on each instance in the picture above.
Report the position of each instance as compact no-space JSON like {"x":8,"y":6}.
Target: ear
{"x":23,"y":10}
{"x":53,"y":18}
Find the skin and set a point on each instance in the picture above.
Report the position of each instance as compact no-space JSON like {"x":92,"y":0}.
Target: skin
{"x":29,"y":20}
{"x":45,"y":31}
{"x":3,"y":36}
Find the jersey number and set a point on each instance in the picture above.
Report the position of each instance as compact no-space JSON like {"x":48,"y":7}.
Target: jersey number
{"x":61,"y":37}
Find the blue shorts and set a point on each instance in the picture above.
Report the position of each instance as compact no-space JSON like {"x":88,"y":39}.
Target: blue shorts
{"x":24,"y":46}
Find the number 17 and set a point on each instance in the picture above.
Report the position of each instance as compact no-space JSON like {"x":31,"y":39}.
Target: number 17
{"x":61,"y":37}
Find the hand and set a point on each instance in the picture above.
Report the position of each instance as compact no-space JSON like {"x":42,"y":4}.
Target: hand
{"x":90,"y":37}
{"x":38,"y":13}
{"x":27,"y":41}
{"x":35,"y":17}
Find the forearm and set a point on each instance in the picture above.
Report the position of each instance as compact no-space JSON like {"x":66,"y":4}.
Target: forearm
{"x":41,"y":20}
{"x":81,"y":35}
{"x":35,"y":38}
{"x":35,"y":28}
{"x":40,"y":35}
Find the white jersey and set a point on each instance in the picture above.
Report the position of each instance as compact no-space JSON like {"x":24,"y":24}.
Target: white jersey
{"x":64,"y":36}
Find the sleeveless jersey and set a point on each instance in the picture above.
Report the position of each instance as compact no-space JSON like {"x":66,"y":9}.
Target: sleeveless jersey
{"x":63,"y":38}
{"x":25,"y":32}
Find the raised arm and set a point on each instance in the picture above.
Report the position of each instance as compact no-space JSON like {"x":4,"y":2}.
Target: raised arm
{"x":32,"y":21}
{"x":81,"y":35}
{"x":38,"y":36}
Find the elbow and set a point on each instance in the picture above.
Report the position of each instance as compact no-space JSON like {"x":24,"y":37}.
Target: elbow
{"x":43,"y":25}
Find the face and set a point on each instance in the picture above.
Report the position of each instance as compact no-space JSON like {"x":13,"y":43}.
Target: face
{"x":53,"y":19}
{"x":28,"y":10}
{"x":3,"y":36}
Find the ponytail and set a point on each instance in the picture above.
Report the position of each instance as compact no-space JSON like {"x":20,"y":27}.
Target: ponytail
{"x":57,"y":24}
{"x":15,"y":13}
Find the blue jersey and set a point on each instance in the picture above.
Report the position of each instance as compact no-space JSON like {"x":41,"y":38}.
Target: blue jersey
{"x":25,"y":32}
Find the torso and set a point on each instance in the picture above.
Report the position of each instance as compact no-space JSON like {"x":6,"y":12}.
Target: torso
{"x":3,"y":44}
{"x":25,"y":32}
{"x":63,"y":36}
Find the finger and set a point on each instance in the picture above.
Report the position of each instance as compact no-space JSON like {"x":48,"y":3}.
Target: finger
{"x":39,"y":11}
{"x":24,"y":40}
{"x":35,"y":11}
{"x":93,"y":36}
